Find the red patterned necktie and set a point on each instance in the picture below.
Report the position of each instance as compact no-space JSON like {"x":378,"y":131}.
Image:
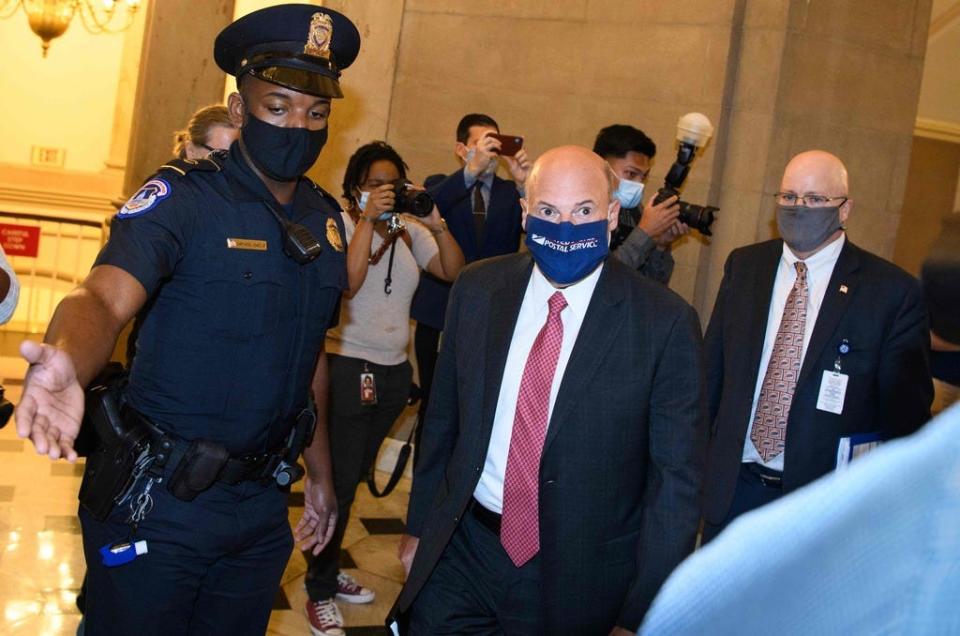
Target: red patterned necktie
{"x":520,"y":523}
{"x":769,"y":433}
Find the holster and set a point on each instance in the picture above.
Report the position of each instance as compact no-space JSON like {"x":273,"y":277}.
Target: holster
{"x":109,"y":467}
{"x":198,"y":469}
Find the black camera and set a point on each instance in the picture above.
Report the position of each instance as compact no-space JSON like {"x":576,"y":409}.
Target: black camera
{"x":699,"y":217}
{"x":409,"y":200}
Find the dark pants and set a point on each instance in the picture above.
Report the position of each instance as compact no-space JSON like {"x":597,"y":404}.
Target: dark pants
{"x":476,"y":589}
{"x":356,"y":433}
{"x":426,"y":344}
{"x":213,"y":564}
{"x":751,"y":493}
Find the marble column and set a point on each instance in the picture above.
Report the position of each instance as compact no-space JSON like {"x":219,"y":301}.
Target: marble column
{"x":841,"y":75}
{"x":177,"y":76}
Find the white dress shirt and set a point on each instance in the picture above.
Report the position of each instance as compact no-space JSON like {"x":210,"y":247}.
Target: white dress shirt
{"x":531,"y":319}
{"x":819,"y":270}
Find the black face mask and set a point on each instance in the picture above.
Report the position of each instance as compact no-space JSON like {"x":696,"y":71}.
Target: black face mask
{"x":283,"y":154}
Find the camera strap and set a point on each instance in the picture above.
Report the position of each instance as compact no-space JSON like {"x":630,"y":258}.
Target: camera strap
{"x":398,"y":469}
{"x":388,"y":243}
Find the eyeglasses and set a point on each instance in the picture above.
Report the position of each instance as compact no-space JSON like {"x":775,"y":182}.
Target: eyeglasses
{"x":812,"y":200}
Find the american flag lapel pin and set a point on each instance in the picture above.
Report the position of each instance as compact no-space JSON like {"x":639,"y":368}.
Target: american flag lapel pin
{"x":844,"y":289}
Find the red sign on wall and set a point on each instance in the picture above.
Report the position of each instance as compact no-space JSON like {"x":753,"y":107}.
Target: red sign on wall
{"x":20,"y":240}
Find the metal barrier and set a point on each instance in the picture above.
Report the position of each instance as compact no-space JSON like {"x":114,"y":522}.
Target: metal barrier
{"x":66,"y":252}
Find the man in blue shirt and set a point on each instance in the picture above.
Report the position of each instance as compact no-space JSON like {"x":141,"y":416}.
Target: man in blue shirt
{"x":243,"y":260}
{"x":871,"y":550}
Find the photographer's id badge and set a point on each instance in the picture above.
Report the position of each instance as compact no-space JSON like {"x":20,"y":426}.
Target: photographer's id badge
{"x":368,"y":388}
{"x":833,"y":390}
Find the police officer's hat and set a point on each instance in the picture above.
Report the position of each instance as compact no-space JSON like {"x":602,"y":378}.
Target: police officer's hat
{"x":300,"y":46}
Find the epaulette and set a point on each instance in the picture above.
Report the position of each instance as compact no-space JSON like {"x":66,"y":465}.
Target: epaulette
{"x":211,"y":163}
{"x":324,"y":194}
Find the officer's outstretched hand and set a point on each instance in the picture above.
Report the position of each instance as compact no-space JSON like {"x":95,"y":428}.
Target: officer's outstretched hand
{"x":316,"y":526}
{"x":51,"y":407}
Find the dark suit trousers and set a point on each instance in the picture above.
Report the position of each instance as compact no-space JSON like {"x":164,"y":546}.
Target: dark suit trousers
{"x":476,"y":589}
{"x":751,"y":493}
{"x":356,"y":433}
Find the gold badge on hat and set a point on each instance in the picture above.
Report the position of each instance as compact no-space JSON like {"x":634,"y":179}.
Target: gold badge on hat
{"x":318,"y":39}
{"x":333,"y":235}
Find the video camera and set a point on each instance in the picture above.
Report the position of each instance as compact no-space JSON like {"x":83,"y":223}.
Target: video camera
{"x":693,"y":132}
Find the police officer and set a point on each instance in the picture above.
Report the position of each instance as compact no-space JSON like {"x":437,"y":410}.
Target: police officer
{"x":244,"y":260}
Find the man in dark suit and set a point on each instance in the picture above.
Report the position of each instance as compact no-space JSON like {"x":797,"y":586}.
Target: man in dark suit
{"x":814,"y":345}
{"x":482,"y":212}
{"x":562,"y":450}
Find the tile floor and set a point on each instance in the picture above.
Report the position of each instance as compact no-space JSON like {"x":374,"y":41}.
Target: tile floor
{"x":41,"y":556}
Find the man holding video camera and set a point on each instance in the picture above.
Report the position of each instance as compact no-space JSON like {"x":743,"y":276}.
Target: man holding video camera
{"x":643,"y":237}
{"x":482,"y":212}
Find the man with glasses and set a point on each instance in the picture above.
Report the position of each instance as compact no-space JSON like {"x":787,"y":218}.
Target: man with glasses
{"x":816,"y":350}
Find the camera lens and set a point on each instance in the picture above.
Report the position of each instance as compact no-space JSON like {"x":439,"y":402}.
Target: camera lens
{"x":410,"y":200}
{"x":421,"y":204}
{"x":699,"y":217}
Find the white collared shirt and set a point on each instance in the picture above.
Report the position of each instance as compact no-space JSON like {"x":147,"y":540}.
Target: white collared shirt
{"x":531,"y":319}
{"x":819,"y":270}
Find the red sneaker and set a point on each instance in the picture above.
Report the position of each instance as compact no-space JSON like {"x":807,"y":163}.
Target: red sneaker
{"x":350,"y":591}
{"x":325,"y":618}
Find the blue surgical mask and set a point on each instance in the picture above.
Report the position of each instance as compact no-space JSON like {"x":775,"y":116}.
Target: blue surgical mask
{"x":565,"y":252}
{"x":629,"y":193}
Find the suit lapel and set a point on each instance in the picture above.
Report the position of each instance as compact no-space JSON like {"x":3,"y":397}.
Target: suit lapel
{"x":597,"y":334}
{"x":504,"y":309}
{"x":757,"y":295}
{"x":836,"y":299}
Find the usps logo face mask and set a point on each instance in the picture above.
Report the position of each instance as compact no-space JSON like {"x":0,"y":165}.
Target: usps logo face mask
{"x":566,"y":252}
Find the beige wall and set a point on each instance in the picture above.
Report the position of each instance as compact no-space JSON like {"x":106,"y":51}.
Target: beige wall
{"x":556,"y":71}
{"x":940,"y":95}
{"x":842,"y":75}
{"x":65,"y":100}
{"x":775,"y":77}
{"x":177,"y":76}
{"x":931,"y":195}
{"x":77,"y":99}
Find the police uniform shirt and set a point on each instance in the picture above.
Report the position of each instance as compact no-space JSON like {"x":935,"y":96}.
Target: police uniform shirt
{"x":228,"y":349}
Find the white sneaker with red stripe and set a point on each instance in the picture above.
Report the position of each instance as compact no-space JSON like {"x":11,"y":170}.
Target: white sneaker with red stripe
{"x":325,"y":618}
{"x":349,"y":591}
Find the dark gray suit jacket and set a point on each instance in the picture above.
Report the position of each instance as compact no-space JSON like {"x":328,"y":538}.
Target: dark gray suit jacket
{"x":623,"y":456}
{"x":874,"y":305}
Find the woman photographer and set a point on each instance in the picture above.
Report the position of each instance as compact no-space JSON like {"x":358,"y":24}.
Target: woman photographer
{"x":367,"y":351}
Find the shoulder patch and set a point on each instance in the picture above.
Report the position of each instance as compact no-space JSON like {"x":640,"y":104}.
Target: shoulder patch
{"x":146,"y":198}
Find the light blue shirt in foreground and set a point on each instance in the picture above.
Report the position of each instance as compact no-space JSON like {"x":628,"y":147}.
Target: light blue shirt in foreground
{"x":872,"y":550}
